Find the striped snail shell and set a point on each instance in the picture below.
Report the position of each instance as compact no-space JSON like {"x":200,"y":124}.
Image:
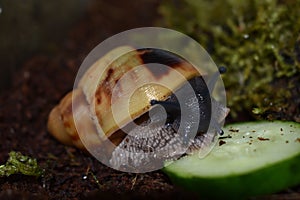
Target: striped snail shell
{"x":105,"y":93}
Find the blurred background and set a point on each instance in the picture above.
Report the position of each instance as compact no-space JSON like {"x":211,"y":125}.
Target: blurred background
{"x":43,"y":43}
{"x":257,"y":41}
{"x":31,"y":26}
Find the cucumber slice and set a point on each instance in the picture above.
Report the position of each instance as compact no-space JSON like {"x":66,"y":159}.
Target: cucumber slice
{"x":258,"y":158}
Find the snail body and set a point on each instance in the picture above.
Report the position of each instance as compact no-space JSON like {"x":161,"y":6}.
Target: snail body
{"x":114,"y":93}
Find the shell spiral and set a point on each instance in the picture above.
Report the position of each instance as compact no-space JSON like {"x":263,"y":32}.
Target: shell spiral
{"x":109,"y":86}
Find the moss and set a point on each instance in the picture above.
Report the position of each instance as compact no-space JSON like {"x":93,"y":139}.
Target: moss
{"x":18,"y":163}
{"x":256,"y":40}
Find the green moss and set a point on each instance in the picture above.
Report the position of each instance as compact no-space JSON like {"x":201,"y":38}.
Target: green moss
{"x":18,"y":163}
{"x":256,"y":41}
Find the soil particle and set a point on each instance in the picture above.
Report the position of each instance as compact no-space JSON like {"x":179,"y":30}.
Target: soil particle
{"x":38,"y":86}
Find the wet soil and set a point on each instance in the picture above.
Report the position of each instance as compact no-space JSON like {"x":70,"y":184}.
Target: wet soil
{"x":38,"y":86}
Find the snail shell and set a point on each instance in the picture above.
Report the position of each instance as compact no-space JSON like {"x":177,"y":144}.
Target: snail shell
{"x":104,"y":87}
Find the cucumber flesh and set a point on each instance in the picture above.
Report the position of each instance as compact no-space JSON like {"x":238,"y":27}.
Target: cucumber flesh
{"x":255,"y":158}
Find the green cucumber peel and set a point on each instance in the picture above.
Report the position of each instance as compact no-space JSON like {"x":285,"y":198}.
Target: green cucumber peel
{"x":254,"y":158}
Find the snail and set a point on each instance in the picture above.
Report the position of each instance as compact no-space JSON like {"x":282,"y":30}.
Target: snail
{"x":129,"y":88}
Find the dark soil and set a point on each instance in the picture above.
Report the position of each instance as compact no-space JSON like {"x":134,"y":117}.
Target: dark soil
{"x":38,"y":86}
